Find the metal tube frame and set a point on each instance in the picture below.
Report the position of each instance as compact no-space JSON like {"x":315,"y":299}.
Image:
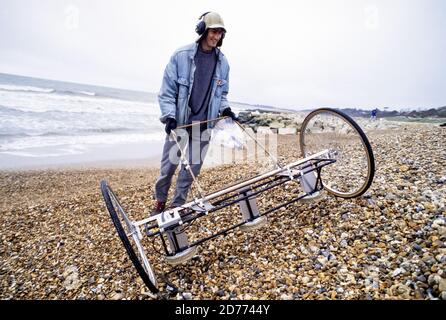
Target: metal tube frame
{"x":230,"y":196}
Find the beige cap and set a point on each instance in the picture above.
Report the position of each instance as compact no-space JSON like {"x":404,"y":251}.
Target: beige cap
{"x":213,"y":21}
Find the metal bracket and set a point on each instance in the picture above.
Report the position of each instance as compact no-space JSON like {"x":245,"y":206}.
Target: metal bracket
{"x":202,"y":206}
{"x":308,"y":181}
{"x":248,"y":206}
{"x":291,"y":173}
{"x":333,"y":153}
{"x":168,"y":218}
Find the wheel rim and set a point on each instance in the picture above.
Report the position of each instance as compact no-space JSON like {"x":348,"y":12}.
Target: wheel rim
{"x":352,"y":173}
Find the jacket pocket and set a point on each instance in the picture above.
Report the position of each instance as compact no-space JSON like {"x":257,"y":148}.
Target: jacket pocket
{"x":183,"y":88}
{"x":220,"y":85}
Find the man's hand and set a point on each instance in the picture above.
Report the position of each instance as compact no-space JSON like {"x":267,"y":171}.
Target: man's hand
{"x":228,"y":113}
{"x":171,"y":124}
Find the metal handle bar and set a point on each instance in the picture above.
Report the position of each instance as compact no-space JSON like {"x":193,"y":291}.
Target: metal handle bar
{"x":186,"y":163}
{"x":199,"y":122}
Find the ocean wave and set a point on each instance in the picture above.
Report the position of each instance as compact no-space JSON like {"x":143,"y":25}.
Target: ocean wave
{"x":9,"y":110}
{"x":86,"y":93}
{"x":76,"y":133}
{"x":4,"y":136}
{"x":31,"y":89}
{"x":31,"y":143}
{"x":16,"y":124}
{"x":76,"y":93}
{"x":10,"y":87}
{"x":74,"y":103}
{"x":55,"y":153}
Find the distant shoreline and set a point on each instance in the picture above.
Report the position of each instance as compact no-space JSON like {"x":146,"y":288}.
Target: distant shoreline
{"x":417,"y":120}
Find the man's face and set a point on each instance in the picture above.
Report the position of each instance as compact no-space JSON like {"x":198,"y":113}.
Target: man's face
{"x":212,"y":39}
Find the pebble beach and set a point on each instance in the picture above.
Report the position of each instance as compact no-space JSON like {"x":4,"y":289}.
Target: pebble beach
{"x":58,"y":241}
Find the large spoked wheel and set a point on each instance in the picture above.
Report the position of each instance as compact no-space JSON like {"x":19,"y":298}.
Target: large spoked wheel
{"x":352,"y":173}
{"x":129,"y":236}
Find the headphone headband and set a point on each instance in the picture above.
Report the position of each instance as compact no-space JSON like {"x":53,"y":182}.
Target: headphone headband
{"x":202,"y":16}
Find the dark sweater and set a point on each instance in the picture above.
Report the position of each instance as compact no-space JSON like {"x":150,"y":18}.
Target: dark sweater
{"x":199,"y":99}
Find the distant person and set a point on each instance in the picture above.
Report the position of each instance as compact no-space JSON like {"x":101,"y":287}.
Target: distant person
{"x":373,"y":115}
{"x":194,"y":89}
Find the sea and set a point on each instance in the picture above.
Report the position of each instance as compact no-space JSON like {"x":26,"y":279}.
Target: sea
{"x":46,"y":122}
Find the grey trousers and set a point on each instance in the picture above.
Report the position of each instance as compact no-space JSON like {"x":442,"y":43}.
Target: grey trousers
{"x":196,"y":152}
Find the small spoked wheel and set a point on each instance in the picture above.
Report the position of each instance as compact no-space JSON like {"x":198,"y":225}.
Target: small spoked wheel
{"x":129,"y":236}
{"x":352,"y":173}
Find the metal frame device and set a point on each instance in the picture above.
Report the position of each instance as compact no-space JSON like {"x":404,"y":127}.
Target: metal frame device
{"x":170,"y":226}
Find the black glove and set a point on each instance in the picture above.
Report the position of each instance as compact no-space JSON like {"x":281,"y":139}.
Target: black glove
{"x":228,"y":113}
{"x":171,"y":124}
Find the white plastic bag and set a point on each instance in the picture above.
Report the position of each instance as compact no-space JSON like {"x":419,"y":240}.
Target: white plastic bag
{"x":228,"y":134}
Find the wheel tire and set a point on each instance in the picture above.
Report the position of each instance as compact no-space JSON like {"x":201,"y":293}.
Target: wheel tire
{"x":365,"y":143}
{"x":108,"y":193}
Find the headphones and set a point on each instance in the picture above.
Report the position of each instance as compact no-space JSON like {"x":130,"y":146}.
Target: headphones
{"x":201,"y":25}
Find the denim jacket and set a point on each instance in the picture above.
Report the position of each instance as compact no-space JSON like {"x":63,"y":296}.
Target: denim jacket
{"x":177,"y":85}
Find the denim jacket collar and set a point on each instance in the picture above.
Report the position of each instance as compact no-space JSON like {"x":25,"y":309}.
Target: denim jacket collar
{"x":195,"y":49}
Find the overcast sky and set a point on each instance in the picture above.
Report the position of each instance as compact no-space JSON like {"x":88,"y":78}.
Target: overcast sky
{"x":292,"y":54}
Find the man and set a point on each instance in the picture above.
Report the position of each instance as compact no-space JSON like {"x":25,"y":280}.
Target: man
{"x":373,"y":115}
{"x":194,"y":89}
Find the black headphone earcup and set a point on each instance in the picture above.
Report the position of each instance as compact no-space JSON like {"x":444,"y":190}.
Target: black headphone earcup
{"x":201,"y":28}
